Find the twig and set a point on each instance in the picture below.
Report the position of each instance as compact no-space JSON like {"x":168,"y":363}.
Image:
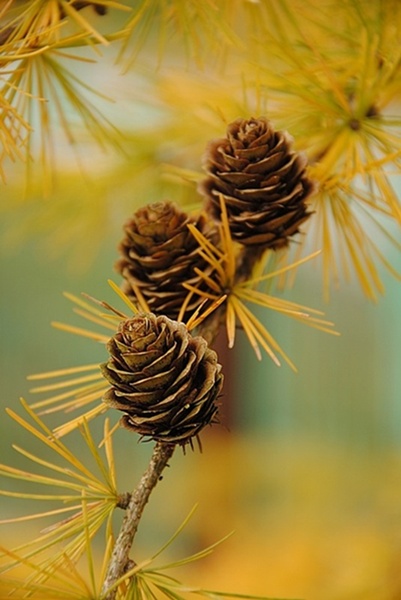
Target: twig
{"x":120,"y":556}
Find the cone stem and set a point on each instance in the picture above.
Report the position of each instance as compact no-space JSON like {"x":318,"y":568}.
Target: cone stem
{"x":119,"y":561}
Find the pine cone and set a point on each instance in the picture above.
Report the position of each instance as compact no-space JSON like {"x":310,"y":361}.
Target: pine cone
{"x":165,"y":380}
{"x":262,"y":181}
{"x":159,"y":254}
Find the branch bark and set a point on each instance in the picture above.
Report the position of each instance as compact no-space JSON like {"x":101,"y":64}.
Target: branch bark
{"x":119,"y":561}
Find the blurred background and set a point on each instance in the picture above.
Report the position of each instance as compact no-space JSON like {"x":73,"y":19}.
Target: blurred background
{"x":305,"y":467}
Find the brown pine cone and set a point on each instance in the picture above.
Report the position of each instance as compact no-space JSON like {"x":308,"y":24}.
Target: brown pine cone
{"x":159,"y":254}
{"x":262,"y":181}
{"x":165,"y":380}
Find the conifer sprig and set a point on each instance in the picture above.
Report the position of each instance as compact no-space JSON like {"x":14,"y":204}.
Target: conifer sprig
{"x":87,"y":497}
{"x":238,"y":293}
{"x":336,"y":90}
